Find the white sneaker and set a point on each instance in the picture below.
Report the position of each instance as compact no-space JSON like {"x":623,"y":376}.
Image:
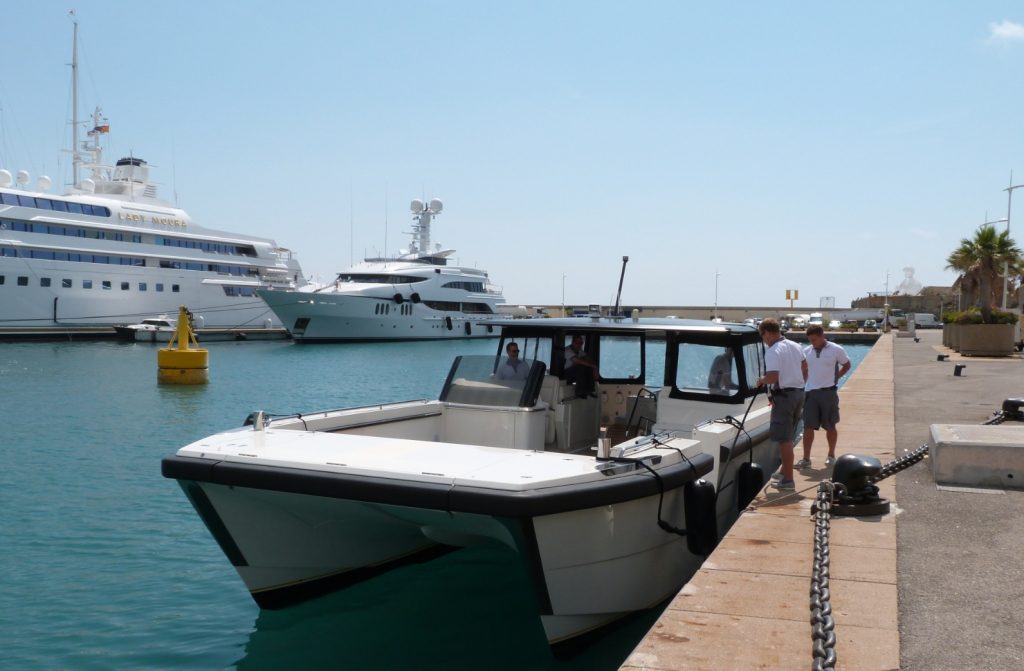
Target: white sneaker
{"x":802,"y":464}
{"x":777,"y":475}
{"x":829,"y":461}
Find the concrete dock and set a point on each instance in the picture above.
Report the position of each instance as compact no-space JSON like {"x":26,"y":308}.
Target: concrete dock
{"x":933,"y":585}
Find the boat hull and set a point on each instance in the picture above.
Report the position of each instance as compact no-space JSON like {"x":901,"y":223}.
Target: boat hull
{"x":311,"y":317}
{"x":588,"y":566}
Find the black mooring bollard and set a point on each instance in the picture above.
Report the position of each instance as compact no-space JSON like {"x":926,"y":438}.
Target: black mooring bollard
{"x":958,"y":369}
{"x":941,"y":357}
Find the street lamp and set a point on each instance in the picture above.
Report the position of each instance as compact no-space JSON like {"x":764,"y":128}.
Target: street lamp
{"x":1009,"y":201}
{"x":716,"y":292}
{"x":563,"y":294}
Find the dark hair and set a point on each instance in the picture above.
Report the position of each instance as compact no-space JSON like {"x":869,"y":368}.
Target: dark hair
{"x":769,"y":326}
{"x":509,"y":346}
{"x":815,"y":329}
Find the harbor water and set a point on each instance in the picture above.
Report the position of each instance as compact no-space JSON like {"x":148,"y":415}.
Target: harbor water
{"x":105,"y":565}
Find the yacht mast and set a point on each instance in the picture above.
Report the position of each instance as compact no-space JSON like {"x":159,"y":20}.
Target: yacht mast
{"x":74,"y":101}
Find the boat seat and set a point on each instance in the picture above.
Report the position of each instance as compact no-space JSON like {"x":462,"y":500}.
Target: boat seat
{"x":577,"y":421}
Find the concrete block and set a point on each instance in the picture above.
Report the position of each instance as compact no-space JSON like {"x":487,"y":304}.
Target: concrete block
{"x":978,"y":455}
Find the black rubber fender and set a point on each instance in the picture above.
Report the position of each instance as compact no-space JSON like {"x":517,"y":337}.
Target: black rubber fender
{"x":701,"y":518}
{"x":448,"y":323}
{"x":749,"y":481}
{"x":398,"y":299}
{"x":415,"y":297}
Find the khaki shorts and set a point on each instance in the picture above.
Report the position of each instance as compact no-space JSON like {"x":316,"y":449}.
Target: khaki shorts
{"x":787,"y":410}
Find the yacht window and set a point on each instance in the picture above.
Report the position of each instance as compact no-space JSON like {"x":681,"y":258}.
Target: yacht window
{"x":622,"y":358}
{"x":159,"y":286}
{"x":87,"y":284}
{"x":2,"y":279}
{"x":65,"y":283}
{"x":443,"y":306}
{"x":60,"y":205}
{"x":709,"y":369}
{"x":26,"y":201}
{"x":22,"y":281}
{"x":477,"y":308}
{"x":477,"y":287}
{"x":106,"y":284}
{"x":387,"y":308}
{"x":124,"y":286}
{"x":175,"y":288}
{"x":44,"y":281}
{"x":142,"y":286}
{"x":9,"y":198}
{"x":44,"y":203}
{"x":136,"y":238}
{"x":75,"y":208}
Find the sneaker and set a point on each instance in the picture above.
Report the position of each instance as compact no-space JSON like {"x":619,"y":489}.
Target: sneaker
{"x":829,"y":460}
{"x":777,"y":475}
{"x":803,"y":463}
{"x":785,"y":485}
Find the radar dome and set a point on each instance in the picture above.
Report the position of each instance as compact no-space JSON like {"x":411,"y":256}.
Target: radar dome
{"x":44,"y":183}
{"x":23,"y":177}
{"x":436,"y":205}
{"x":88,"y":185}
{"x":416,"y":206}
{"x":5,"y":178}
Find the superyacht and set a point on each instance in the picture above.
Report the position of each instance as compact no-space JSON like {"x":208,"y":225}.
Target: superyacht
{"x":414,"y":296}
{"x":110,"y":251}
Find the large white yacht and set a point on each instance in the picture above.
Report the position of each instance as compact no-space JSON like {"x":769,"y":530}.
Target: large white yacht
{"x":415,"y":295}
{"x":608,"y":492}
{"x":110,"y":251}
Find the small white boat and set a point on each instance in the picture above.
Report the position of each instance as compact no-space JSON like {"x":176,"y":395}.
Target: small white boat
{"x":512,"y":454}
{"x":155,"y":329}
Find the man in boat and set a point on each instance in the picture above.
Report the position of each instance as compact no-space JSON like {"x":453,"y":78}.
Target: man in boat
{"x":785,"y":374}
{"x":826,"y":364}
{"x":579,"y":368}
{"x":720,"y":378}
{"x":513,"y":367}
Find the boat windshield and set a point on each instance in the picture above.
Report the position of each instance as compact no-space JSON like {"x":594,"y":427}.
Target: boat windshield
{"x":707,"y":369}
{"x":493,"y":381}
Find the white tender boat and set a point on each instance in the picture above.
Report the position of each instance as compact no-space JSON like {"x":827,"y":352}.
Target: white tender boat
{"x":311,"y":503}
{"x":415,"y":295}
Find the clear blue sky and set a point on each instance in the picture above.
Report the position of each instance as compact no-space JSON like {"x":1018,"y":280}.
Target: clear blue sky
{"x":806,"y":145}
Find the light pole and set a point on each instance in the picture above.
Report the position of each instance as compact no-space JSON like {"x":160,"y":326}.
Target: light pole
{"x":1009,"y":201}
{"x":563,"y":294}
{"x":885,"y":308}
{"x":716,"y":292}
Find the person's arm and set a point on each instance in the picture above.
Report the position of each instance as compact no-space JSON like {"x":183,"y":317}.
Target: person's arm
{"x":843,"y":370}
{"x":803,"y":369}
{"x":771,"y":377}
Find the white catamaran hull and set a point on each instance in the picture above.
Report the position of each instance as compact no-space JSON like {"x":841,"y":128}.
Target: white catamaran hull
{"x":288,"y":547}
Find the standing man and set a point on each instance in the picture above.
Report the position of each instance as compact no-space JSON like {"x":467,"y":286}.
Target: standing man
{"x":785,"y":375}
{"x":826,"y":364}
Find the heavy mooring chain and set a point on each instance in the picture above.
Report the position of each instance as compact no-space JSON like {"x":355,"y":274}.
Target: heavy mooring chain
{"x":897,"y":465}
{"x":823,"y":626}
{"x":998,"y":417}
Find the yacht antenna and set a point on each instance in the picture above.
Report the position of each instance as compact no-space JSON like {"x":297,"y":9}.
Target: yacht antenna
{"x":385,"y":221}
{"x":622,"y":275}
{"x":351,"y":227}
{"x":75,"y":160}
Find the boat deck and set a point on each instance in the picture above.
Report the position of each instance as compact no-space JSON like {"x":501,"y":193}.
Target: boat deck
{"x":748,"y":607}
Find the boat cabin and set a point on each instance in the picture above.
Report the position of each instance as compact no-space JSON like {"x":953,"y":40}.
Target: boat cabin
{"x":633,"y":377}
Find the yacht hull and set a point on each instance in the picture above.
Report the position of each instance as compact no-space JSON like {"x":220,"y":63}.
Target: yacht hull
{"x":588,"y":565}
{"x":329,"y":317}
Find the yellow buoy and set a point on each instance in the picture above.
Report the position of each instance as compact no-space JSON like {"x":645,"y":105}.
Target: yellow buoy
{"x":178,"y":363}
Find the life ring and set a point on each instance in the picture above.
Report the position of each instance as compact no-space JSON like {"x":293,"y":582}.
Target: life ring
{"x":469,"y":329}
{"x":448,"y":322}
{"x":398,"y":299}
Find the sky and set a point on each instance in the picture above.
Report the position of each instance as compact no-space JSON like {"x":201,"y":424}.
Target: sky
{"x":770,"y":146}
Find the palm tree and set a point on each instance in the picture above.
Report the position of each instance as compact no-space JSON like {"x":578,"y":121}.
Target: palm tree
{"x":980,"y":261}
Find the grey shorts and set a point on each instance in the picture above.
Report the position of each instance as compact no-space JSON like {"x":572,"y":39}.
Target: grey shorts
{"x":821,"y":409}
{"x":787,"y":409}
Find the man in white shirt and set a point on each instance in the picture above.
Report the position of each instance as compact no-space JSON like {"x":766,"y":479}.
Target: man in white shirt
{"x":826,"y":364}
{"x":513,"y":367}
{"x":786,"y":374}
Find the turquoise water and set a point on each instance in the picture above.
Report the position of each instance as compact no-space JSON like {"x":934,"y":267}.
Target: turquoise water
{"x":105,"y":565}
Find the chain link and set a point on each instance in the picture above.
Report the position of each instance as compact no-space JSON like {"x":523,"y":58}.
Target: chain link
{"x":897,"y":465}
{"x":823,"y":626}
